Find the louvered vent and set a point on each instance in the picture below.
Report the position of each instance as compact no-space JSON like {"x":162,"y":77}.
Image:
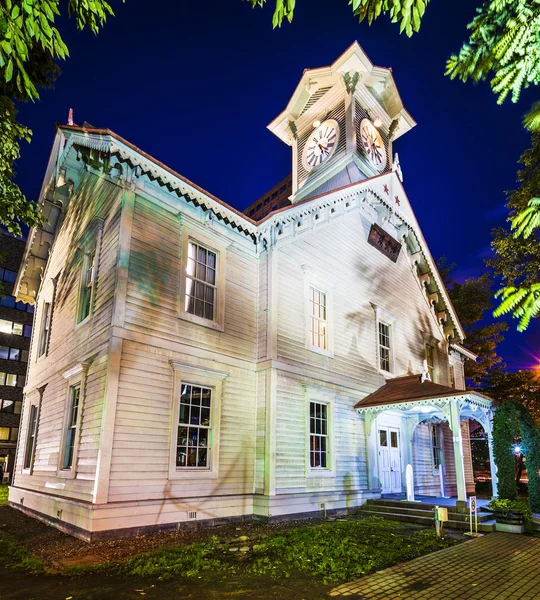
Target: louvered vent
{"x":316,"y":96}
{"x":361,"y":113}
{"x":338,"y":113}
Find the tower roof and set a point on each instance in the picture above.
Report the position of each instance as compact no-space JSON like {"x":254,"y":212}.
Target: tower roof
{"x":379,"y":81}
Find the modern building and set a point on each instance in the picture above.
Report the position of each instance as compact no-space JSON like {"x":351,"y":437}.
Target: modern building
{"x":191,"y":364}
{"x":15,"y":331}
{"x":275,"y":198}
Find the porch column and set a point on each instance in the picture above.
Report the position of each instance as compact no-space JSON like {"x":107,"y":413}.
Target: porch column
{"x":488,"y":427}
{"x":455,"y":426}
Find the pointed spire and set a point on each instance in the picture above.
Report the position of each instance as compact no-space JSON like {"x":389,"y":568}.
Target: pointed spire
{"x":70,"y":117}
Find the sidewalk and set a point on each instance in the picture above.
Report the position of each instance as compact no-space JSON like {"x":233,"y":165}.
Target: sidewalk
{"x":500,"y":565}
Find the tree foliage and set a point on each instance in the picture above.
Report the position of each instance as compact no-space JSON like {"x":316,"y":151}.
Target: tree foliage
{"x":473,"y":301}
{"x":408,"y":13}
{"x":522,"y":387}
{"x":29,"y":46}
{"x":510,"y":422}
{"x":503,"y":45}
{"x":516,"y":259}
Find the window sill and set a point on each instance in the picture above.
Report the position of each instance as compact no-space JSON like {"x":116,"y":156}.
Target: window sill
{"x":320,"y":473}
{"x":327,"y":353}
{"x":191,"y":473}
{"x":185,"y":316}
{"x":83,"y":322}
{"x":386,"y":374}
{"x":65,"y":474}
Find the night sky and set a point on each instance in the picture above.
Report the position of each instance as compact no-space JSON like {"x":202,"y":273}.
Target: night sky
{"x":195,"y":85}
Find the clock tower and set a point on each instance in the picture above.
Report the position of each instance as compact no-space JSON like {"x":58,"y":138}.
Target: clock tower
{"x":340,"y":123}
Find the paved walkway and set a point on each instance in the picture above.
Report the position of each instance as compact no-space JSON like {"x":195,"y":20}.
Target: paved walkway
{"x":500,"y":565}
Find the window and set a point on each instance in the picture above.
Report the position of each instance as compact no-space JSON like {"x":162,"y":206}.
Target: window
{"x":71,"y":426}
{"x":430,"y":361}
{"x":7,"y":275}
{"x":318,"y":435}
{"x":11,"y":328}
{"x":9,"y":434}
{"x":384,"y":347}
{"x":193,"y":442}
{"x":9,"y":379}
{"x":275,"y":207}
{"x":318,"y":319}
{"x":436,"y":445}
{"x":31,"y":437}
{"x":274,"y":195}
{"x":7,"y":353}
{"x":259,"y":206}
{"x":282,"y":189}
{"x":86,"y":294}
{"x":267,"y":201}
{"x":201,"y":289}
{"x":452,"y":376}
{"x":10,"y":406}
{"x":45,"y":329}
{"x":251,"y":212}
{"x":8,"y":302}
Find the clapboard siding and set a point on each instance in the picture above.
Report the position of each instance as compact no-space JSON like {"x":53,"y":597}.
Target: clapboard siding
{"x":51,"y":424}
{"x":154,"y":285}
{"x":358,"y":276}
{"x":292,"y":441}
{"x":426,"y":478}
{"x":144,"y":423}
{"x":70,"y":344}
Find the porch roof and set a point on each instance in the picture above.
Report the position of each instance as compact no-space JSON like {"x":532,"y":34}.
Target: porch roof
{"x":410,"y":388}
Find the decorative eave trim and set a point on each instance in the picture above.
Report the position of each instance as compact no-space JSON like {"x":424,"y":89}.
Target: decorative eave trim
{"x":470,"y":397}
{"x":106,"y":141}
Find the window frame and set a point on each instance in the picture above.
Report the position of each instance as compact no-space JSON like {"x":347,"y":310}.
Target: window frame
{"x":31,"y":434}
{"x":436,"y":427}
{"x":185,"y":373}
{"x":76,"y":376}
{"x":44,"y":330}
{"x":89,"y":245}
{"x":218,"y":321}
{"x":389,"y":319}
{"x":390,"y":348}
{"x":431,"y":369}
{"x":327,"y":397}
{"x":324,"y":287}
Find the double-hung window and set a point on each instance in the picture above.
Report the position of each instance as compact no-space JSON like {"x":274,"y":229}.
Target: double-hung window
{"x":436,"y":445}
{"x":318,"y":435}
{"x":201,"y":287}
{"x":31,"y":437}
{"x":430,"y":360}
{"x":45,"y":329}
{"x":318,"y":318}
{"x":385,"y":349}
{"x":71,"y":425}
{"x":88,"y":277}
{"x":194,"y":426}
{"x":452,"y":376}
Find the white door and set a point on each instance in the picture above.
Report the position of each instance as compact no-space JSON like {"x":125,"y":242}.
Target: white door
{"x":389,"y":460}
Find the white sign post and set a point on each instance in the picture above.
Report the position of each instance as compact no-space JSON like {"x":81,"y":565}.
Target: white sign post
{"x":473,"y":511}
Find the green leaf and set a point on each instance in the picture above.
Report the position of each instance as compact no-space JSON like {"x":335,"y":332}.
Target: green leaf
{"x":9,"y":71}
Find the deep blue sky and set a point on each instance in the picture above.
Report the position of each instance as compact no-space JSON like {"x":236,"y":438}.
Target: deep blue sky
{"x":195,"y":84}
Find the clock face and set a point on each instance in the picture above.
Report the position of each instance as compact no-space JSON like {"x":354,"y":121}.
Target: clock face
{"x":321,"y":145}
{"x":373,"y":144}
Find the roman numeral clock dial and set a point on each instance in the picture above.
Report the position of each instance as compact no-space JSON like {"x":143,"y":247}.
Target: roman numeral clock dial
{"x":321,"y":144}
{"x":372,"y":144}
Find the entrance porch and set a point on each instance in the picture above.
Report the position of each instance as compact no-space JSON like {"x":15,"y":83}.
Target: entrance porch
{"x":417,"y":438}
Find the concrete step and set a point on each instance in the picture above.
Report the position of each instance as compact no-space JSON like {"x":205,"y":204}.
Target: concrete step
{"x":483,"y":527}
{"x":421,"y":510}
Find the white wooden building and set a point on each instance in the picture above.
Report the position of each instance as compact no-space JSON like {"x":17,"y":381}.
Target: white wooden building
{"x":190,"y":364}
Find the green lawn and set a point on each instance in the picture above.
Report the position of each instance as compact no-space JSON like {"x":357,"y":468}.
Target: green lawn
{"x":3,"y":494}
{"x":332,"y":552}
